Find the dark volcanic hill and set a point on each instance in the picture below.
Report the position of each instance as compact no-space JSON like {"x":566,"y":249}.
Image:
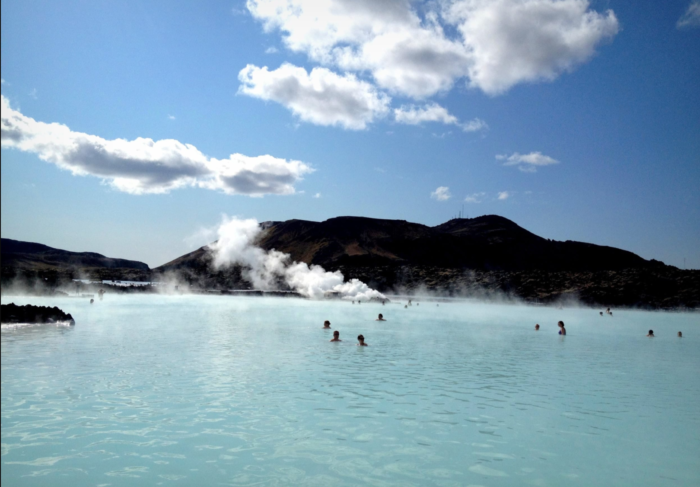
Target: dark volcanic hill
{"x":479,"y":256}
{"x":28,"y":255}
{"x":484,"y":243}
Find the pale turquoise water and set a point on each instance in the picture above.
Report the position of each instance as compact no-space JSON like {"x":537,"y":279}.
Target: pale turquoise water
{"x":188,"y":390}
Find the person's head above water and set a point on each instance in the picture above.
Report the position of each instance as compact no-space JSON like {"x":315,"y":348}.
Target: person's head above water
{"x":537,"y":327}
{"x":326,"y":324}
{"x":361,"y":340}
{"x":336,"y":336}
{"x":680,"y":335}
{"x":651,"y":333}
{"x":380,"y":317}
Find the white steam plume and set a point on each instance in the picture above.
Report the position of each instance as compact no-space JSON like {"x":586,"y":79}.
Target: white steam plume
{"x":265,"y":269}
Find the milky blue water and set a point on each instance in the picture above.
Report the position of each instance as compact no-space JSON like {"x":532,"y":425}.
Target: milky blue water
{"x":195,"y":390}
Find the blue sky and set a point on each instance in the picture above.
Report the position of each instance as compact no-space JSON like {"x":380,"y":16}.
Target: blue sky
{"x":578,"y":120}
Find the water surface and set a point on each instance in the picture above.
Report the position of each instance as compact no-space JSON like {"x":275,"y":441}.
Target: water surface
{"x":187,"y":390}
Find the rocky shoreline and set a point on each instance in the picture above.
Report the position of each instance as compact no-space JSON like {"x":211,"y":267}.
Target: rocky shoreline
{"x":13,"y":314}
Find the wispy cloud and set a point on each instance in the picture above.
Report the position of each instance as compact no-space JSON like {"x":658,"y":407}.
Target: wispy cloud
{"x":147,"y":166}
{"x":171,"y":117}
{"x":33,"y":94}
{"x":504,"y":195}
{"x":271,"y":50}
{"x":527,"y":162}
{"x":321,"y":97}
{"x":432,"y":112}
{"x":475,"y":198}
{"x":317,"y":195}
{"x":691,"y":17}
{"x":441,"y":194}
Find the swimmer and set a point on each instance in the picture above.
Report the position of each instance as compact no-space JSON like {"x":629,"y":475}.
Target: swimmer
{"x":380,"y":318}
{"x":680,"y":335}
{"x":601,"y":313}
{"x":405,"y":306}
{"x":650,"y":334}
{"x":353,"y":302}
{"x":92,"y":301}
{"x":336,"y":336}
{"x":537,"y":327}
{"x":326,"y":324}
{"x":361,"y":340}
{"x":562,"y":330}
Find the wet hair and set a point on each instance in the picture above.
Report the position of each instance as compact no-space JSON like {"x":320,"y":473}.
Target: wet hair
{"x":680,"y":334}
{"x":336,"y":333}
{"x":651,"y":332}
{"x":361,"y":338}
{"x":381,"y":315}
{"x":326,"y":322}
{"x":561,"y":323}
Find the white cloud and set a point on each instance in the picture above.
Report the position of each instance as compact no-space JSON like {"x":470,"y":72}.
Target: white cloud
{"x":144,"y":165}
{"x":441,"y":194}
{"x":271,"y":50}
{"x":527,"y":162}
{"x":33,"y":94}
{"x":691,"y":17}
{"x":432,"y":112}
{"x":515,"y":41}
{"x":171,"y":117}
{"x":475,"y":198}
{"x":504,"y":195}
{"x":495,"y":44}
{"x":317,"y":195}
{"x":321,"y":97}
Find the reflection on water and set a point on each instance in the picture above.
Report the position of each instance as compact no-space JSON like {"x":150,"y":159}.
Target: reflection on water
{"x":151,"y":390}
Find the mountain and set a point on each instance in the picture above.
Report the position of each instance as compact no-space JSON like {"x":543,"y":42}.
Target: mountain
{"x":28,"y":255}
{"x":31,"y":262}
{"x":485,"y":243}
{"x":485,"y":256}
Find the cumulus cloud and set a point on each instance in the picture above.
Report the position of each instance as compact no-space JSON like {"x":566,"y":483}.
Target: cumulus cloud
{"x":504,"y":195}
{"x":432,"y":112}
{"x":143,"y":165}
{"x":321,"y":96}
{"x":475,"y":198}
{"x":527,"y":162}
{"x":494,"y":44}
{"x":441,"y":194}
{"x":691,"y":17}
{"x":515,"y":41}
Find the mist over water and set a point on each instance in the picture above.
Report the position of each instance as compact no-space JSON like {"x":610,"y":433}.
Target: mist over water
{"x":266,"y":269}
{"x":209,"y":390}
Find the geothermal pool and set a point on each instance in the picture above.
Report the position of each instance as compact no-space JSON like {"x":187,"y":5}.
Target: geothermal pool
{"x":197,"y":390}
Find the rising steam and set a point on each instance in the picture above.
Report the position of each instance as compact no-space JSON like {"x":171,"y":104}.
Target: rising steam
{"x":267,"y":268}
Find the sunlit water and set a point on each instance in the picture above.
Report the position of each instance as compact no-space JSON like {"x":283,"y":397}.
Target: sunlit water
{"x":190,"y":390}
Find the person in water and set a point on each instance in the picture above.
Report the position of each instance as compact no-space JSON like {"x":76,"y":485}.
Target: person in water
{"x":380,"y":318}
{"x":326,"y":324}
{"x":361,"y":341}
{"x":92,"y":301}
{"x":601,"y":313}
{"x":537,"y":327}
{"x":562,"y":330}
{"x":651,"y":334}
{"x":680,"y":335}
{"x":336,"y":336}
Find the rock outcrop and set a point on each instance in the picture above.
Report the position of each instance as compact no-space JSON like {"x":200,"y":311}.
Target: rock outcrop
{"x":11,"y":313}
